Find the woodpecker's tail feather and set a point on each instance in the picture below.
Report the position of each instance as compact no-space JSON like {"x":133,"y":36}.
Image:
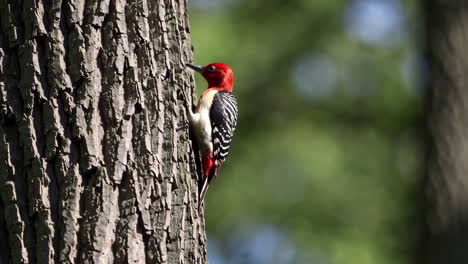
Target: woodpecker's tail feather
{"x":206,"y":183}
{"x":201,"y":195}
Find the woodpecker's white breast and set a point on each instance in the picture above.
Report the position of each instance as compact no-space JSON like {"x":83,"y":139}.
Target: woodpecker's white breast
{"x":202,"y":124}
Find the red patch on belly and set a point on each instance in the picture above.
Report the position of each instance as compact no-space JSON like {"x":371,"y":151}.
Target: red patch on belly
{"x":207,"y":163}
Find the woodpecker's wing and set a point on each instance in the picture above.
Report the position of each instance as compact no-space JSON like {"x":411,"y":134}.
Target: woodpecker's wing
{"x":223,"y":117}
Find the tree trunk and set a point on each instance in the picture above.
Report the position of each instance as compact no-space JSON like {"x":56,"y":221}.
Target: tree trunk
{"x":95,"y":156}
{"x":447,"y":180}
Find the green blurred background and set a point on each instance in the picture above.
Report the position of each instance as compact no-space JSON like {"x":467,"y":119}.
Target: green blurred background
{"x":327,"y":160}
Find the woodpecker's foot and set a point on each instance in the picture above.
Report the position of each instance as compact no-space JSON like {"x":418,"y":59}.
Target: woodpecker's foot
{"x":186,"y":99}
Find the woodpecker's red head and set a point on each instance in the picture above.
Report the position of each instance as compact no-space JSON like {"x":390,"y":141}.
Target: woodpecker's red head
{"x":218,"y":75}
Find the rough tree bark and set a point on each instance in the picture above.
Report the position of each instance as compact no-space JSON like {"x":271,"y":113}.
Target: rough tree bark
{"x":95,"y":160}
{"x":447,"y":180}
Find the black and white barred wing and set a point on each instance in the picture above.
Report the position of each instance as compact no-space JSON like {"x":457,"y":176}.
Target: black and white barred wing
{"x":223,"y":117}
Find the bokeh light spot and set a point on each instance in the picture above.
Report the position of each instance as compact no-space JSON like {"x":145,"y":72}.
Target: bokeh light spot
{"x":376,"y":22}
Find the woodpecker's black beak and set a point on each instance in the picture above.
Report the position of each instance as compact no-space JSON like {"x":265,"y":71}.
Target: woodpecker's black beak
{"x":196,"y":68}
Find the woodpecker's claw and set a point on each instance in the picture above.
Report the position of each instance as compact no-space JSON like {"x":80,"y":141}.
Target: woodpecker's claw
{"x":185,"y":97}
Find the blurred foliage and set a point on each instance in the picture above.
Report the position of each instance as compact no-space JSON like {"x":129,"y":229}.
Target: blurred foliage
{"x":326,"y":162}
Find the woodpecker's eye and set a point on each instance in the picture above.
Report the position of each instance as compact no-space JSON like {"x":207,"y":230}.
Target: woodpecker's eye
{"x":211,"y":68}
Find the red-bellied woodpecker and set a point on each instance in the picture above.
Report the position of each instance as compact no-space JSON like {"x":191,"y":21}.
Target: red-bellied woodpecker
{"x":214,"y":120}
